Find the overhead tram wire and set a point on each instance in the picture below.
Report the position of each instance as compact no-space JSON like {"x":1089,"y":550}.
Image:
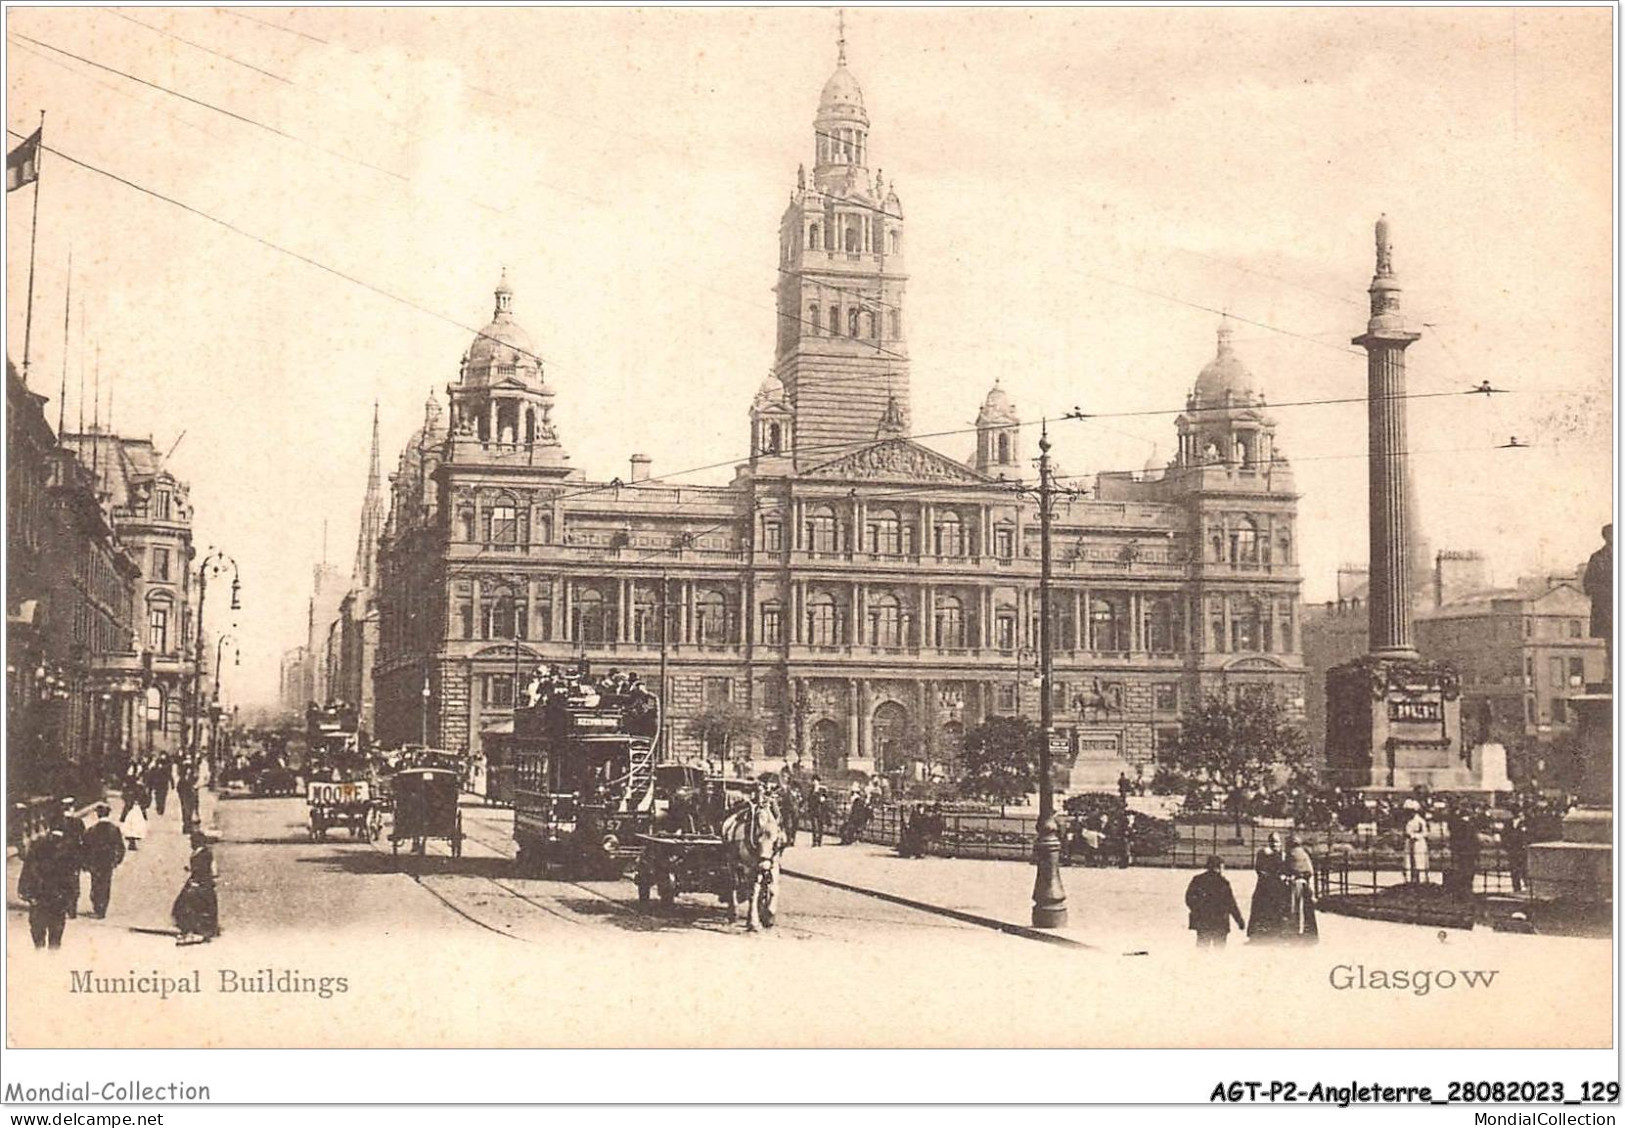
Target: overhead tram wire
{"x":477,"y":332}
{"x":195,"y":45}
{"x":456,"y":323}
{"x":243,"y":118}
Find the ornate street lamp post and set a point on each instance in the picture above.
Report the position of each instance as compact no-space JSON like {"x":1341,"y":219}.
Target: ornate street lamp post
{"x":1049,"y":897}
{"x":214,"y":564}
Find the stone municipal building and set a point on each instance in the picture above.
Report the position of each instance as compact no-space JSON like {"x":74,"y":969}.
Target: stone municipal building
{"x":863,"y":597}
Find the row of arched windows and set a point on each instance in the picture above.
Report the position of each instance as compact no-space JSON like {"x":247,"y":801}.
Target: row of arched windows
{"x":1246,"y":544}
{"x":850,"y":238}
{"x":886,"y":533}
{"x":859,"y":322}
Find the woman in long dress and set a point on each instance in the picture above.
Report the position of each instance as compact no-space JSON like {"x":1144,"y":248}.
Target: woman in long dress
{"x":134,"y":827}
{"x":1271,"y":908}
{"x":197,"y":908}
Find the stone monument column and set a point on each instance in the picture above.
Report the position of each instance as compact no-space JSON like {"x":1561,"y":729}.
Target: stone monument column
{"x":1393,"y":719}
{"x":1385,"y":341}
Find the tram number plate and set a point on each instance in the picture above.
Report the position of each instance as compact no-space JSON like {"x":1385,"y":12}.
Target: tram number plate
{"x":323,"y":793}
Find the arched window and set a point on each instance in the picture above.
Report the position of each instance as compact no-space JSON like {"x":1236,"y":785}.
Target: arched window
{"x":592,"y":616}
{"x":889,"y":728}
{"x":896,"y":242}
{"x":645,"y":616}
{"x":813,"y":322}
{"x":950,"y":534}
{"x":872,"y":324}
{"x":774,"y":438}
{"x":1108,"y":623}
{"x":897,"y":325}
{"x":1004,"y":450}
{"x":950,"y":622}
{"x":1162,"y":627}
{"x":772,"y":623}
{"x":1283,"y":621}
{"x":814,"y":236}
{"x":821,"y":530}
{"x":504,"y":614}
{"x":502,"y":522}
{"x":1247,"y":627}
{"x":826,"y":746}
{"x":711,"y":617}
{"x":159,"y":612}
{"x":852,"y":327}
{"x":821,"y":619}
{"x":1244,"y":543}
{"x":1283,"y":547}
{"x":834,"y":321}
{"x":854,"y":238}
{"x":885,"y":621}
{"x":885,"y":532}
{"x":465,"y":524}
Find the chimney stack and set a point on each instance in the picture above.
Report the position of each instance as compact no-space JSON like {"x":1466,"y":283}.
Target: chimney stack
{"x":640,"y":467}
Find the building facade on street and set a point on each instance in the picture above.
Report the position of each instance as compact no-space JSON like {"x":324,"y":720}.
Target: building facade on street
{"x":863,"y":598}
{"x":1522,"y":654}
{"x":72,"y":582}
{"x":152,"y":511}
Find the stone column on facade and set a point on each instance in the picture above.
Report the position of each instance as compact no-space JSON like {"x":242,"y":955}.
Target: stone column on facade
{"x":1080,"y":625}
{"x":1228,"y":629}
{"x":927,"y":545}
{"x":797,"y":610}
{"x":851,"y":719}
{"x":478,"y":626}
{"x":859,"y":520}
{"x":1136,"y":613}
{"x":866,"y":742}
{"x":928,"y":617}
{"x":797,"y":518}
{"x":623,"y":617}
{"x":860,"y":601}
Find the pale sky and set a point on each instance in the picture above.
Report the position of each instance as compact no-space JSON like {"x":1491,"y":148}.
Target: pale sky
{"x":1076,"y":185}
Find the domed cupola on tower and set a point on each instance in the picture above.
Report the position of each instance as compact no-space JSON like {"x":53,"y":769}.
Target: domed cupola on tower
{"x":998,"y":435}
{"x":772,"y":425}
{"x":1224,"y":423}
{"x":501,"y":400}
{"x":841,"y":352}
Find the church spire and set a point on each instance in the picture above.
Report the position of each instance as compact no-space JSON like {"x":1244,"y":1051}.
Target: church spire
{"x":363,"y":574}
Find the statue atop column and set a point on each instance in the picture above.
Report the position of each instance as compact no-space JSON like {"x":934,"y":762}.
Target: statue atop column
{"x":1599,"y":586}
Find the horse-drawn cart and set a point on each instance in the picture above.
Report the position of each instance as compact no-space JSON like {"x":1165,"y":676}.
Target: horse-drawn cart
{"x":727,"y":844}
{"x":343,"y":803}
{"x":426,"y":807}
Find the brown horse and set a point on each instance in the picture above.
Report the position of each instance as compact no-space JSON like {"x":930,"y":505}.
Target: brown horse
{"x":753,"y":839}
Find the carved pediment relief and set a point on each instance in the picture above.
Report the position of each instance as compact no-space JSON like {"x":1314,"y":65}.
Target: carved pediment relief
{"x":895,"y":460}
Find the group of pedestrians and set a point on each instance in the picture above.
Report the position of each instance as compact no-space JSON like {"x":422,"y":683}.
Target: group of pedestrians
{"x":51,"y":881}
{"x":1283,"y":903}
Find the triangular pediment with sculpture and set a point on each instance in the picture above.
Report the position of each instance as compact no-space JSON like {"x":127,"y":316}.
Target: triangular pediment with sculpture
{"x":895,"y":460}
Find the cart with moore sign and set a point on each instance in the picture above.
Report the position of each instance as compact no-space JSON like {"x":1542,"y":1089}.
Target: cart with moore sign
{"x":343,"y":804}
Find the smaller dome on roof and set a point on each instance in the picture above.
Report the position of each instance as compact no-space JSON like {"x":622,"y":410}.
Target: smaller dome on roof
{"x":502,"y":350}
{"x":841,"y":90}
{"x":770,"y":394}
{"x":1225,"y":374}
{"x":997,"y":407}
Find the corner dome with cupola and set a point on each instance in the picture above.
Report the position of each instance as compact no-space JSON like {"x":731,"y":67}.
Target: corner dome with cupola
{"x":502,"y":350}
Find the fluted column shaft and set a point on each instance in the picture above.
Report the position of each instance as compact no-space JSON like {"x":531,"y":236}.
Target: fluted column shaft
{"x":1390,"y":596}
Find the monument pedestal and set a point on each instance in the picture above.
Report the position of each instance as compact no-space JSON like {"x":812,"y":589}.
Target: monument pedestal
{"x":1097,"y":762}
{"x":1395,"y":723}
{"x":1581,"y":867}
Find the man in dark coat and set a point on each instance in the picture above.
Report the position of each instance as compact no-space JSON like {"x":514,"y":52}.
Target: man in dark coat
{"x":158,"y":780}
{"x":73,"y":837}
{"x":1212,"y":904}
{"x":44,"y":884}
{"x":817,"y":810}
{"x":790,"y":810}
{"x":186,"y":791}
{"x":100,"y":853}
{"x":134,"y":789}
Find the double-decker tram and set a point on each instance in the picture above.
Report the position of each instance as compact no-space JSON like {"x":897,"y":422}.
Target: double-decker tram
{"x":583,"y":755}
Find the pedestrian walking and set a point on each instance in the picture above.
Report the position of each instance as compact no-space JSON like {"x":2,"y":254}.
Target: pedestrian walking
{"x":1463,"y":852}
{"x":134,"y":826}
{"x":44,"y":884}
{"x":1416,"y":845}
{"x":102,"y":851}
{"x":134,"y":788}
{"x":1515,"y":843}
{"x":1271,"y":908}
{"x":1212,"y":905}
{"x":817,"y":810}
{"x":73,"y":837}
{"x":790,"y":811}
{"x":159,"y":776}
{"x":197,"y":908}
{"x":186,"y":785}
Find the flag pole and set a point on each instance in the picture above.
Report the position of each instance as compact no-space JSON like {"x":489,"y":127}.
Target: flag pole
{"x":33,"y":233}
{"x":67,"y":311}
